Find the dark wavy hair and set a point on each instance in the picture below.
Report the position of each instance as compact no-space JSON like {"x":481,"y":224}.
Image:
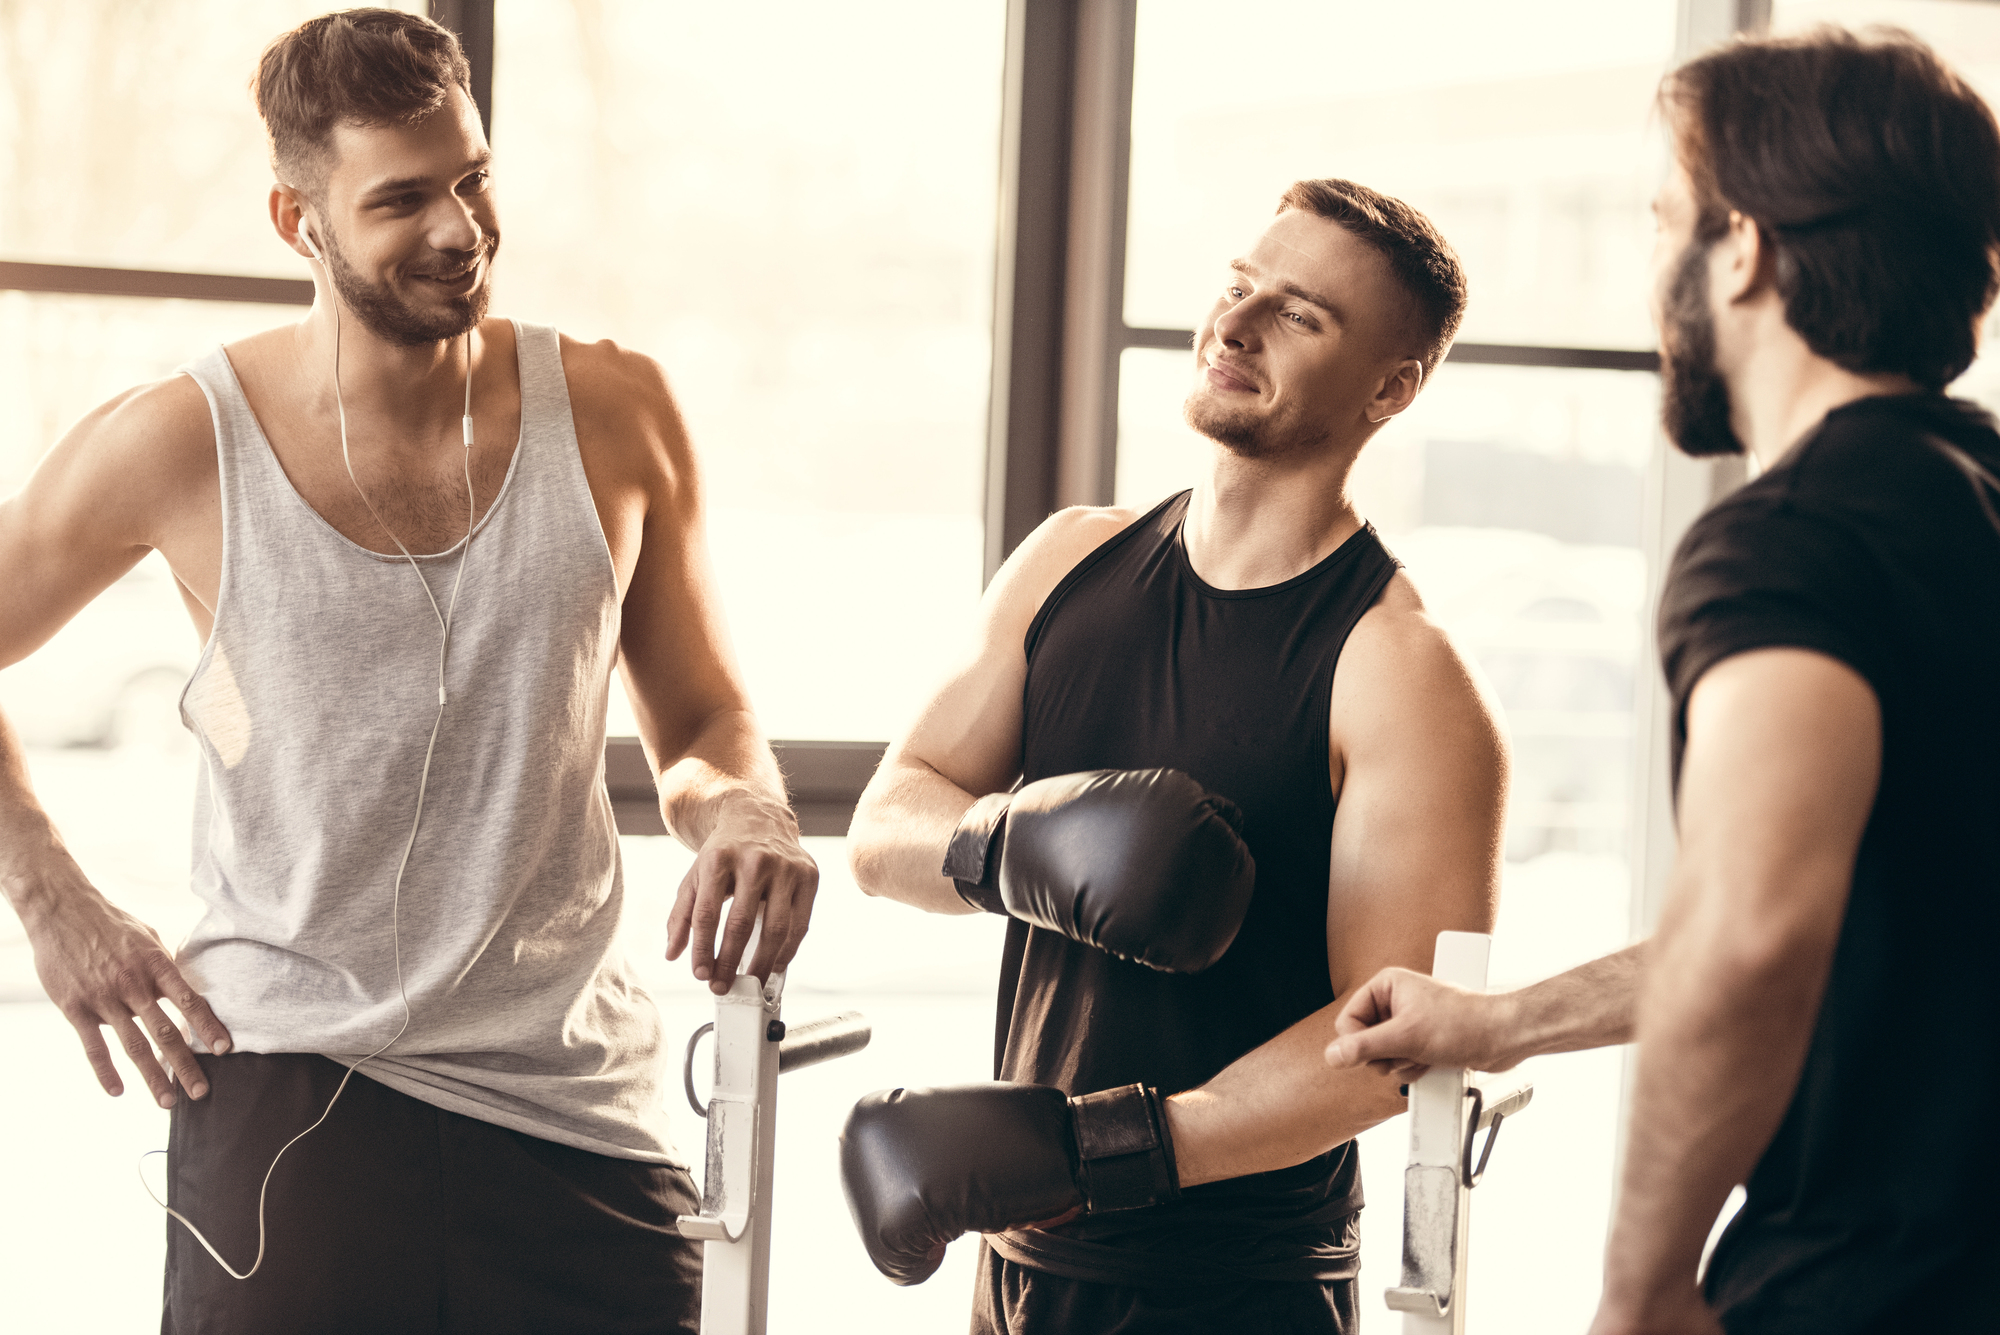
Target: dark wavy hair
{"x":356,"y":67}
{"x":1873,"y":171}
{"x":1422,"y":260}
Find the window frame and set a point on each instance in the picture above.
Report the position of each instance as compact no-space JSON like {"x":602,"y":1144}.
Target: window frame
{"x":1059,"y":331}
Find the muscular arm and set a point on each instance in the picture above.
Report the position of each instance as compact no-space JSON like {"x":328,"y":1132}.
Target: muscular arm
{"x":1783,"y":756}
{"x":720,"y":789}
{"x":135,"y":474}
{"x":966,"y":742}
{"x":1416,"y":851}
{"x":1404,"y":1022}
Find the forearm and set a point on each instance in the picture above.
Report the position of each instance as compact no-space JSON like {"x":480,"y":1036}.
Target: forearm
{"x":902,"y":827}
{"x":36,"y":869}
{"x":1723,"y":1032}
{"x":1275,"y":1106}
{"x":727,"y":766}
{"x":1591,"y":1006}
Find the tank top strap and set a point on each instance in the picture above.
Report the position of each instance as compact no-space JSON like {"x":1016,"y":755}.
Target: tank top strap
{"x":544,"y":389}
{"x":254,"y":487}
{"x":550,"y":460}
{"x":1157,"y":531}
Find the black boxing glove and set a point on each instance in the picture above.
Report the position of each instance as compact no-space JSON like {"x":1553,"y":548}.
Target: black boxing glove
{"x":1145,"y":864}
{"x":923,"y":1166}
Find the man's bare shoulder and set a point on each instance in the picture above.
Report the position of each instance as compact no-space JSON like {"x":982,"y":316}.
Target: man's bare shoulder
{"x":624,"y":409}
{"x":1055,"y":548}
{"x":607,"y":378}
{"x":1399,"y":662}
{"x":153,"y":437}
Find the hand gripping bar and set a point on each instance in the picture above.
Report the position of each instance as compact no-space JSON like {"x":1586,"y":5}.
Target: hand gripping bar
{"x":1438,"y":1182}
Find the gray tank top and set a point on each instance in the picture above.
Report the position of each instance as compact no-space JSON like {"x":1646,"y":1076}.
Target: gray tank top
{"x":312,"y":704}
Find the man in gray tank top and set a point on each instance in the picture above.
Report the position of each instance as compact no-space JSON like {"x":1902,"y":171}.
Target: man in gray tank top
{"x":416,"y":542}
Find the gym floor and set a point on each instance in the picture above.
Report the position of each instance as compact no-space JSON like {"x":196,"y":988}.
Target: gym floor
{"x":80,"y":1247}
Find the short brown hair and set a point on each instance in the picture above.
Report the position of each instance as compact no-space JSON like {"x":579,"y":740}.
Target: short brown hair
{"x":1419,"y":256}
{"x":357,"y":67}
{"x":1873,"y":172}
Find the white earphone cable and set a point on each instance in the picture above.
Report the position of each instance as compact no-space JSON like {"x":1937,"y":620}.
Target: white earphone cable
{"x":444,"y":618}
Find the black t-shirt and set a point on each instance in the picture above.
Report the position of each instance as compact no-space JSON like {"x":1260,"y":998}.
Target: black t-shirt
{"x":1877,"y":542}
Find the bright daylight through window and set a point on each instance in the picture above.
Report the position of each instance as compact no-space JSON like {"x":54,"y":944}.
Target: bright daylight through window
{"x":796,"y":209}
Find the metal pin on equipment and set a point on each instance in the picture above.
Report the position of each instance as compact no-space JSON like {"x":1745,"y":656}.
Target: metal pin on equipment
{"x":1449,"y":1106}
{"x":752,"y":1048}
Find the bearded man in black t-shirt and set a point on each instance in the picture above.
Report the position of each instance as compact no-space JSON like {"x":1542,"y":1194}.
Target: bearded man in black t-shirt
{"x":1817,"y":1015}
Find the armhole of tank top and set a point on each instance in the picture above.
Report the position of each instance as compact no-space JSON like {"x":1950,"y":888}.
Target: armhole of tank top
{"x":539,"y":357}
{"x":227,"y":467}
{"x":1323,"y":701}
{"x":1084,"y":567}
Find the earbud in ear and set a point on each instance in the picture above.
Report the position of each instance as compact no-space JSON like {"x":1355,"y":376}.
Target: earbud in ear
{"x":306,"y":237}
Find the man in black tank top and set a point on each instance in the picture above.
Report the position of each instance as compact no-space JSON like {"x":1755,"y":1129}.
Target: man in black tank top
{"x":1255,"y":634}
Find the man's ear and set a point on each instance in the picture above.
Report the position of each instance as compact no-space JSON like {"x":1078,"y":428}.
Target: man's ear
{"x":288,"y":205}
{"x":1742,"y":259}
{"x":1397,"y":390}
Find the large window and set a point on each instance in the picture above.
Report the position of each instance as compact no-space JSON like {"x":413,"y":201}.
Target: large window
{"x":797,"y":218}
{"x":794,"y":209}
{"x":126,"y":135}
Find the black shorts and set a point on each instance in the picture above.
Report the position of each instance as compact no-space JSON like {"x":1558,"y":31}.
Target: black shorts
{"x":398,"y":1218}
{"x":1012,"y":1299}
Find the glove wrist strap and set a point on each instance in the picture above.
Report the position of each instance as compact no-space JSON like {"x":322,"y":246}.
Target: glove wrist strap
{"x":972,"y":858}
{"x":1126,"y":1153}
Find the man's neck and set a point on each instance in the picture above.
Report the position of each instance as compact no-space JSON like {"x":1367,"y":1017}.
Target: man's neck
{"x":422,"y":386}
{"x":1252,"y":523}
{"x":1780,"y":389}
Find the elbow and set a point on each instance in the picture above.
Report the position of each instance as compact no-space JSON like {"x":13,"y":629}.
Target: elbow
{"x":866,"y":855}
{"x":1773,"y":957}
{"x":1769,"y":946}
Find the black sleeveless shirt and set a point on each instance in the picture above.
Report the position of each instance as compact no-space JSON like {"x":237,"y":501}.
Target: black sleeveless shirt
{"x":1135,"y":663}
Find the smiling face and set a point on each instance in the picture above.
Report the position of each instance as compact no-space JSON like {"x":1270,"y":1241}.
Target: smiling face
{"x":407,"y":224}
{"x":1307,"y":329}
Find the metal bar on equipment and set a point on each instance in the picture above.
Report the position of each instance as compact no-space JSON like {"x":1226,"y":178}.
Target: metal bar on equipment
{"x":734,"y":1225}
{"x":1436,"y":1195}
{"x":822,"y":1040}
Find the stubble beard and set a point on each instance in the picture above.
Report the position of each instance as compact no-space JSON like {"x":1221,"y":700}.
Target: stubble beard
{"x":1243,"y":434}
{"x":1694,"y":398}
{"x":396,"y":321}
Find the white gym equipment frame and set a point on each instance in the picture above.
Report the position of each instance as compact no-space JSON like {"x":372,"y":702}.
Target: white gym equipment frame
{"x":1437,"y":1184}
{"x":752,"y":1048}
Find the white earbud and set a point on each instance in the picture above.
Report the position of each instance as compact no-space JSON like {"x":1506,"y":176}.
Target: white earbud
{"x":306,"y":237}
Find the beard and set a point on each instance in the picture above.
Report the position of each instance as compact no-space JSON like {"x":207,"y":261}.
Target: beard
{"x":392,"y":319}
{"x":1241,"y":433}
{"x":1694,"y":398}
